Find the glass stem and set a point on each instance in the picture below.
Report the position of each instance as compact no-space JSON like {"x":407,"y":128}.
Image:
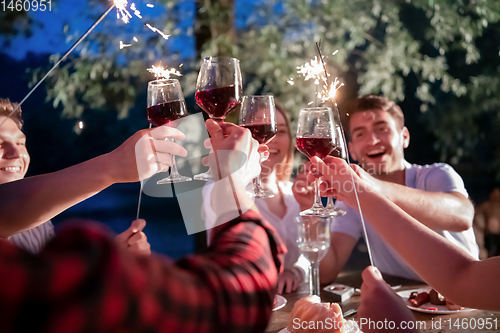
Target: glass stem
{"x":330,"y":204}
{"x":173,"y":168}
{"x":257,"y":185}
{"x":317,"y":196}
{"x":314,"y":278}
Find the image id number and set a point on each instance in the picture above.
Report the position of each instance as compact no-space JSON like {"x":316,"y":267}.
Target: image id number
{"x":26,"y":5}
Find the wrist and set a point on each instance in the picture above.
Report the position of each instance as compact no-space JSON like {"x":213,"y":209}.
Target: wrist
{"x":103,"y":166}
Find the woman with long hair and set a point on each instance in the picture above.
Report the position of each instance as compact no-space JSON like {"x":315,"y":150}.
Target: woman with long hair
{"x":282,"y":209}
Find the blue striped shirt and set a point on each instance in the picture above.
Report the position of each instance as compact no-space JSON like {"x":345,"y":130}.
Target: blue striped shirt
{"x":34,"y":239}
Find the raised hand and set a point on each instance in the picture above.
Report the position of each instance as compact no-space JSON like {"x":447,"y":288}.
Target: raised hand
{"x":144,"y":154}
{"x":379,"y":303}
{"x":134,"y":239}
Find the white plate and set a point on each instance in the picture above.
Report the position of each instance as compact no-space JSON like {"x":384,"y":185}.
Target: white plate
{"x":281,"y":302}
{"x":441,"y":309}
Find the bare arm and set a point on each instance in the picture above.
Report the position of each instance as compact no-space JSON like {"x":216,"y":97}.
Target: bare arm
{"x":29,"y":202}
{"x":338,"y":253}
{"x":441,"y":264}
{"x":446,"y":211}
{"x":438,"y":210}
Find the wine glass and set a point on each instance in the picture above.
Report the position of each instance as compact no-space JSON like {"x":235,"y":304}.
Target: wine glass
{"x":258,"y":114}
{"x":316,"y":136}
{"x":218,"y":90}
{"x":165,"y":105}
{"x":340,"y":152}
{"x":313,"y":240}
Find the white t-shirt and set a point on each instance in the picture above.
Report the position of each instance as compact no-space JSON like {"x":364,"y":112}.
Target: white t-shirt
{"x":286,"y":226}
{"x":34,"y":239}
{"x":438,"y":177}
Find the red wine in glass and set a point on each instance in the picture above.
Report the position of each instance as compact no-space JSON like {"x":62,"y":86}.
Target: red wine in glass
{"x":263,"y":133}
{"x":218,"y":102}
{"x":166,"y":113}
{"x":311,"y":146}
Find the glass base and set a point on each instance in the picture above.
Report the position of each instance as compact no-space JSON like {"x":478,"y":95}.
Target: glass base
{"x":260,"y":194}
{"x":321,"y":212}
{"x":338,"y":211}
{"x":206,"y":176}
{"x":175,"y":179}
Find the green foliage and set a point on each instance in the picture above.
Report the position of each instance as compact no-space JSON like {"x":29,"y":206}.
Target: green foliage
{"x":434,"y":49}
{"x":442,"y":55}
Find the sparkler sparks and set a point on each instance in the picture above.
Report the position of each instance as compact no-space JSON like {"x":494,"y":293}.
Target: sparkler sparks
{"x":150,"y":5}
{"x":122,"y":14}
{"x":314,"y":70}
{"x":124,"y":45}
{"x":157,"y":31}
{"x":135,"y":39}
{"x":161,"y":72}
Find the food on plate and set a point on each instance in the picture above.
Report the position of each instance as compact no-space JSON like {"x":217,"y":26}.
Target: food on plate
{"x":453,"y":307}
{"x":275,"y":301}
{"x":310,"y":315}
{"x":419,"y":299}
{"x":436,"y":298}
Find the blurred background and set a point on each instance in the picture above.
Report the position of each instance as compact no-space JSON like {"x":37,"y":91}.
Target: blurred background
{"x":439,"y":59}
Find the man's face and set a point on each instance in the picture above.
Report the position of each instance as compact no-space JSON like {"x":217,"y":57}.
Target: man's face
{"x":14,"y":158}
{"x":377,"y":142}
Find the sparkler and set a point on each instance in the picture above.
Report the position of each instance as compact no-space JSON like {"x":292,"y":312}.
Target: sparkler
{"x":120,"y":5}
{"x":316,"y":70}
{"x":330,"y":96}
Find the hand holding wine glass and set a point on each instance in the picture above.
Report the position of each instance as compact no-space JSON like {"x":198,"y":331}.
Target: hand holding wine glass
{"x":316,"y":136}
{"x":258,"y":114}
{"x":218,"y":90}
{"x":340,"y":151}
{"x":166,"y":106}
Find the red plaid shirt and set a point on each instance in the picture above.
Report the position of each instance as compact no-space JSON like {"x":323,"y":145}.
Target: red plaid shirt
{"x":81,"y":282}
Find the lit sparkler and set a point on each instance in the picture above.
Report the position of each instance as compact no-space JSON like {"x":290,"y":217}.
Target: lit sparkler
{"x":331,"y":93}
{"x":120,"y":5}
{"x":161,"y":72}
{"x":315,"y":70}
{"x":150,"y":5}
{"x":123,"y":14}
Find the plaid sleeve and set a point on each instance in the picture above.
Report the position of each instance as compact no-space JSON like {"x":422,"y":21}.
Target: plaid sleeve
{"x":81,"y":282}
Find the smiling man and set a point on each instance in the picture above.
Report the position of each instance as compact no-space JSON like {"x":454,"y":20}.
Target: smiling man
{"x":14,"y":162}
{"x":433,"y":194}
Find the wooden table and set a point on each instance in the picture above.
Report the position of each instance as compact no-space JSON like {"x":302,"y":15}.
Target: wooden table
{"x":449,"y":323}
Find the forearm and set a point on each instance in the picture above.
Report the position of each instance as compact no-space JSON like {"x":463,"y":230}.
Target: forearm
{"x":28,"y":202}
{"x":441,"y":264}
{"x":329,"y":268}
{"x":229,"y":199}
{"x":436,"y":210}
